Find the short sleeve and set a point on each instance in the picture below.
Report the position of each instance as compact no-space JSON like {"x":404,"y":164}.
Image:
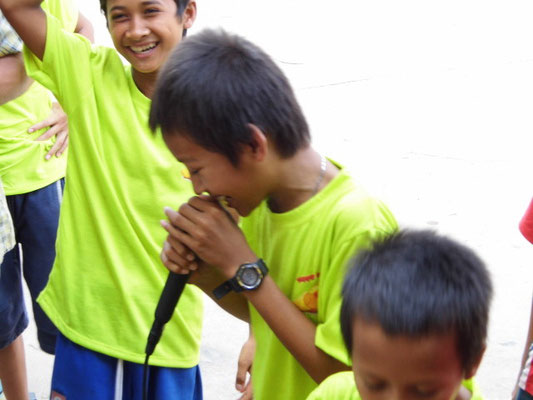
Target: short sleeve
{"x":374,"y":221}
{"x":328,"y":334}
{"x":65,"y":68}
{"x":339,"y":386}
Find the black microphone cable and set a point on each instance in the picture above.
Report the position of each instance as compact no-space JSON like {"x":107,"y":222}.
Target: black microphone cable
{"x":165,"y":308}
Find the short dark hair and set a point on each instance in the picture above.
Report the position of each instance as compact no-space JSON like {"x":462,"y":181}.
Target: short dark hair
{"x":418,"y":283}
{"x":181,"y":4}
{"x":215,"y":84}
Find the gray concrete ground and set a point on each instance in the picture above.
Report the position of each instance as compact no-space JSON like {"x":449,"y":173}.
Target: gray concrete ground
{"x":429,"y":104}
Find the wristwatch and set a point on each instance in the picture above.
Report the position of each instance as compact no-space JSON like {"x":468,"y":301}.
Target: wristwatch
{"x":248,"y":277}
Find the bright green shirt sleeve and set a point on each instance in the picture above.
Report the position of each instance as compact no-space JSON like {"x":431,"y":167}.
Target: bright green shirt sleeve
{"x":341,"y":386}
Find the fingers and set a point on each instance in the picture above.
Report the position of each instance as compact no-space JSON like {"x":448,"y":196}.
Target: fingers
{"x":175,"y":262}
{"x":244,"y":365}
{"x":182,"y":221}
{"x":240,"y":381}
{"x":248,"y":392}
{"x":59,"y":145}
{"x":56,"y":118}
{"x":58,"y":127}
{"x":41,"y":125}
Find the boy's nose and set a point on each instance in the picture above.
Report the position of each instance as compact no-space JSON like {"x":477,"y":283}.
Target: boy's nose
{"x":137,"y":29}
{"x":198,"y":187}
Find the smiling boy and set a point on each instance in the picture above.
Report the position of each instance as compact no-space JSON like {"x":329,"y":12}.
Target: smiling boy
{"x":414,"y":319}
{"x":107,"y":276}
{"x":229,"y":114}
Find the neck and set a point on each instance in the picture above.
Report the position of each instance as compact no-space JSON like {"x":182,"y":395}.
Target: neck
{"x":145,"y":82}
{"x":298,"y":179}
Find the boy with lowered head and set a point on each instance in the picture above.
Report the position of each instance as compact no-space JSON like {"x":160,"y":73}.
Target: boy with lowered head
{"x":414,"y":318}
{"x":229,"y":114}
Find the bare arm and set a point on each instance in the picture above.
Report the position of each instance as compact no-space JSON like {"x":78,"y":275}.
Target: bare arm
{"x":84,"y":27}
{"x":29,"y":21}
{"x":13,"y":78}
{"x":208,"y":278}
{"x":529,"y":341}
{"x":204,"y":228}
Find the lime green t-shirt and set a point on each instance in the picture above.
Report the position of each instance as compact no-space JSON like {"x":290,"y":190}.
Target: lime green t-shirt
{"x":23,"y":167}
{"x":341,"y":386}
{"x":306,"y":251}
{"x":107,"y":277}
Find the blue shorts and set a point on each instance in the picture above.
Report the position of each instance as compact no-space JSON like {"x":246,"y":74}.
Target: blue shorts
{"x":82,"y":374}
{"x":523,"y":395}
{"x":35,"y":217}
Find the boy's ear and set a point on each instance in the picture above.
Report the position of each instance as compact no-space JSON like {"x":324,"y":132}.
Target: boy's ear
{"x":258,"y":147}
{"x":473,"y":369}
{"x":189,"y":15}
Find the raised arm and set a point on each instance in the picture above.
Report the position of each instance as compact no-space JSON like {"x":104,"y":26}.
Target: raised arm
{"x":29,"y":20}
{"x":84,"y":27}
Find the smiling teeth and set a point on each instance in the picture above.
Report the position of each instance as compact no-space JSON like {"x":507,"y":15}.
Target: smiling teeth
{"x":143,"y":49}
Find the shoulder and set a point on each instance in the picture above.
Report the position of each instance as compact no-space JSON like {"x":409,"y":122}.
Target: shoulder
{"x":354,"y":210}
{"x":66,"y":11}
{"x":339,"y":386}
{"x":472,"y":386}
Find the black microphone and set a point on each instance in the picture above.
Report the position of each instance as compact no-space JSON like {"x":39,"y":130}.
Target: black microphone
{"x":165,"y":307}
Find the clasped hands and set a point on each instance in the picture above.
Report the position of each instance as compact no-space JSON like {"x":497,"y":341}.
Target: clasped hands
{"x":202,"y":232}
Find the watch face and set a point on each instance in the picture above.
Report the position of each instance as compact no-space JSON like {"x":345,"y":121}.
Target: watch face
{"x":250,"y":276}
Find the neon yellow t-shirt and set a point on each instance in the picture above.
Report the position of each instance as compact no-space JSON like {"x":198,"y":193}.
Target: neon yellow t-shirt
{"x":23,"y":167}
{"x":306,"y":251}
{"x":341,"y":386}
{"x":107,"y":277}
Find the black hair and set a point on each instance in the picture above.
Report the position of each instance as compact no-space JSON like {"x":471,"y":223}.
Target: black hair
{"x":418,"y":283}
{"x":181,"y":5}
{"x":215,"y":84}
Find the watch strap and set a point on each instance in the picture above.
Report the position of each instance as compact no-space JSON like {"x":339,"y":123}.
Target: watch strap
{"x":232,"y":285}
{"x":226,"y":287}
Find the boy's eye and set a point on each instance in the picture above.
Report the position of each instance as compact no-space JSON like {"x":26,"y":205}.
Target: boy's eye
{"x":151,"y":11}
{"x":187,"y":173}
{"x":116,"y":17}
{"x":375,"y":386}
{"x":425,"y":393}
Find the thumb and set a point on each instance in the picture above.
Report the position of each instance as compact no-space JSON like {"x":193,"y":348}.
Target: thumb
{"x":244,"y":366}
{"x":240,"y":381}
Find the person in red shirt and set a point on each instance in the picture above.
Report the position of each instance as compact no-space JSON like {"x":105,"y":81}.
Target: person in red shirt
{"x":524,"y":386}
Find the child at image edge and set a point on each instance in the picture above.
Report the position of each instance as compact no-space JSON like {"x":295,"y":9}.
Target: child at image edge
{"x":524,"y":386}
{"x":107,"y":277}
{"x":414,"y":319}
{"x":229,"y":114}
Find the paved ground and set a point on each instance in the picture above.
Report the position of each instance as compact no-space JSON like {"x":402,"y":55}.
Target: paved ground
{"x":429,"y":105}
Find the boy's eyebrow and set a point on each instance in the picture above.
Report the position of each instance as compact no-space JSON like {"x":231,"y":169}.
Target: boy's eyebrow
{"x":186,"y":160}
{"x":144,"y":3}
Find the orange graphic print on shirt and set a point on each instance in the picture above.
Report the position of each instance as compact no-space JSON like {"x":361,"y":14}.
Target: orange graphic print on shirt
{"x":308,"y":301}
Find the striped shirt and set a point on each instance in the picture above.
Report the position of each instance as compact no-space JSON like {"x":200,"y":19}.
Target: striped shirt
{"x":10,"y":42}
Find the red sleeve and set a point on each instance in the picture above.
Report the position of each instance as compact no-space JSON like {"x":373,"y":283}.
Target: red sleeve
{"x":526,"y":224}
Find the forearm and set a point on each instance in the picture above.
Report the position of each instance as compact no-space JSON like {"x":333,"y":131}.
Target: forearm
{"x":529,"y":341}
{"x":84,"y":27}
{"x":207,"y":279}
{"x":284,"y":318}
{"x":13,"y":78}
{"x":29,"y":21}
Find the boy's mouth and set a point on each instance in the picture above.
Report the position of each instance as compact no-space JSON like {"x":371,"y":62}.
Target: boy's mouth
{"x":143,"y":49}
